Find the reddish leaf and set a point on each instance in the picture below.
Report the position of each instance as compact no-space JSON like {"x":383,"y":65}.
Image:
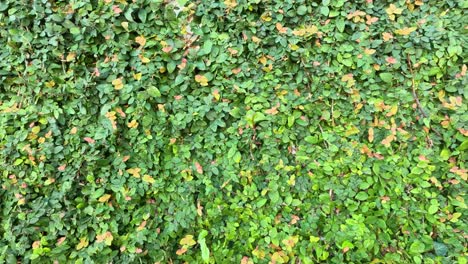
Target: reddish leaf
{"x":89,"y":140}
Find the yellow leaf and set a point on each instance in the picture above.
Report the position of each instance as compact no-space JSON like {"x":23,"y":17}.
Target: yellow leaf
{"x":71,"y":56}
{"x":216,"y":94}
{"x":347,"y":77}
{"x":187,"y":241}
{"x":279,"y":257}
{"x":230,"y":3}
{"x":258,"y":253}
{"x":306,"y":31}
{"x":293,"y":47}
{"x":393,"y":111}
{"x":314,"y":239}
{"x":83,"y":243}
{"x":369,"y":51}
{"x":181,"y":251}
{"x":135,"y":172}
{"x":405,"y":31}
{"x":104,"y":198}
{"x":124,"y":25}
{"x":392,"y":10}
{"x":255,"y":39}
{"x":266,"y":17}
{"x":35,"y":130}
{"x":386,"y":142}
{"x":133,"y":124}
{"x":455,"y":217}
{"x":290,"y":241}
{"x":50,"y":84}
{"x":147,"y":178}
{"x":201,"y":79}
{"x":140,"y":40}
{"x":371,"y":134}
{"x":299,"y":32}
{"x":137,"y":76}
{"x":351,"y":131}
{"x":118,"y":85}
{"x":145,"y":60}
{"x":105,"y":237}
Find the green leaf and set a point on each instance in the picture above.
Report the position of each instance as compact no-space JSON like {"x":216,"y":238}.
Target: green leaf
{"x":302,"y":10}
{"x":142,"y":15}
{"x":75,"y":30}
{"x":445,"y":154}
{"x":153,"y":91}
{"x":237,"y":157}
{"x":205,"y":252}
{"x":463,"y":146}
{"x":362,"y":196}
{"x":324,"y":10}
{"x":340,"y":25}
{"x":386,"y":77}
{"x":207,"y":46}
{"x":261,"y":202}
{"x":417,"y":247}
{"x":440,"y":249}
{"x":433,"y":208}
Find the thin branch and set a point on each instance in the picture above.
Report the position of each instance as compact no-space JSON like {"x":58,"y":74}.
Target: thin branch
{"x":413,"y":87}
{"x":415,"y":96}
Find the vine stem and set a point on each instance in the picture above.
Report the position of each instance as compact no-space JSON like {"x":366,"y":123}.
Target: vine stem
{"x":413,"y":87}
{"x":415,"y":95}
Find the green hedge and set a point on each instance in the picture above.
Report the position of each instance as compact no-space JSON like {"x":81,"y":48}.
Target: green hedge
{"x":242,"y":131}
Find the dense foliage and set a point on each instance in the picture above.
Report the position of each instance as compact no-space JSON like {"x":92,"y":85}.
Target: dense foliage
{"x":242,"y":131}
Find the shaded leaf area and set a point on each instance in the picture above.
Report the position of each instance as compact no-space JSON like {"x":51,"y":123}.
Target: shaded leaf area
{"x":233,"y":131}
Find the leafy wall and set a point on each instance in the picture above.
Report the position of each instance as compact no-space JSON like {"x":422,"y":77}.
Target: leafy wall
{"x":240,"y":131}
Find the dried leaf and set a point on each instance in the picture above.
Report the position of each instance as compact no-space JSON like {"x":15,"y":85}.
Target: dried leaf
{"x":405,"y":31}
{"x":141,"y":40}
{"x":387,"y":36}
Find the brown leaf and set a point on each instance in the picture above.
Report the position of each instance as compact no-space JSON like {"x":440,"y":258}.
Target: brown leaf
{"x":281,"y":29}
{"x":181,"y":251}
{"x":141,"y":40}
{"x":199,"y":209}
